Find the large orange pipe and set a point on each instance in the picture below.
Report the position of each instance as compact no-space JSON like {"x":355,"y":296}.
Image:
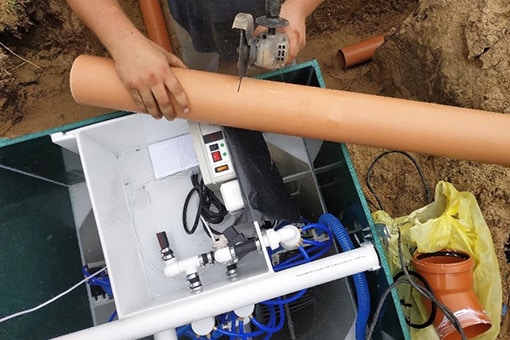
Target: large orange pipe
{"x":155,"y":23}
{"x":360,"y":52}
{"x":319,"y":113}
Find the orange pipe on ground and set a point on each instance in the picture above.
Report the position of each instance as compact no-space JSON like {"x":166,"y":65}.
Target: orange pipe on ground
{"x":155,"y":23}
{"x":450,"y":275}
{"x":359,"y":52}
{"x":312,"y":112}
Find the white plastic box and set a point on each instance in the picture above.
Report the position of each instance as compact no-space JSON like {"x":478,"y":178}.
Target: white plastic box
{"x":131,"y":204}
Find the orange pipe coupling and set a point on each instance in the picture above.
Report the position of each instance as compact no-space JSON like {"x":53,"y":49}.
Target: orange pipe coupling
{"x":312,"y":112}
{"x":155,"y":23}
{"x":359,"y":52}
{"x":450,"y":275}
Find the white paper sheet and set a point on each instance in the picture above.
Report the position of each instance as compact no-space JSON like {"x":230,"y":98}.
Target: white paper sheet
{"x":172,"y":156}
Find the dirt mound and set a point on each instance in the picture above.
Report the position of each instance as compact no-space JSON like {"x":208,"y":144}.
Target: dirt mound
{"x":450,"y":52}
{"x":456,"y":53}
{"x":38,"y":45}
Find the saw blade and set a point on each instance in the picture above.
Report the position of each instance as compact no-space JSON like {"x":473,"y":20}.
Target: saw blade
{"x":243,"y":54}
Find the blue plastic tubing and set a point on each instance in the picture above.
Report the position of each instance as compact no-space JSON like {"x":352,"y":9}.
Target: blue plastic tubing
{"x":360,"y":280}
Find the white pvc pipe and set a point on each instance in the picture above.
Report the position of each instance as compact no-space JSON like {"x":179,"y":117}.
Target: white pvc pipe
{"x":188,"y":266}
{"x":234,"y":295}
{"x":169,"y":334}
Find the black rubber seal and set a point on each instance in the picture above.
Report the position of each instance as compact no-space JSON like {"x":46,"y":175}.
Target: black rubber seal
{"x":445,"y":253}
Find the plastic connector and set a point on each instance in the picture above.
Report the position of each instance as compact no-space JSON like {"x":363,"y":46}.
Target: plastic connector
{"x":166,"y":253}
{"x":288,"y":237}
{"x":231,"y":194}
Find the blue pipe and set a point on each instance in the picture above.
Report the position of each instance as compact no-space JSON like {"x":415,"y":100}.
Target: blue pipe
{"x":182,"y":330}
{"x":360,"y":280}
{"x":293,"y":261}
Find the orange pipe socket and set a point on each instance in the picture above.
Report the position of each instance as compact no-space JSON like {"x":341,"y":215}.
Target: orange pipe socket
{"x":450,"y":275}
{"x":155,"y":23}
{"x":313,"y":112}
{"x":359,"y":52}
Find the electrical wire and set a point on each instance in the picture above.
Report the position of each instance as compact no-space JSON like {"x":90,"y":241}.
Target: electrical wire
{"x":411,"y":158}
{"x":209,"y":206}
{"x":44,"y":304}
{"x":135,"y":233}
{"x":433,"y":311}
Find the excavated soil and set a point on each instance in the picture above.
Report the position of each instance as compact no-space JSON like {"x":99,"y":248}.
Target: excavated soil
{"x":39,"y":44}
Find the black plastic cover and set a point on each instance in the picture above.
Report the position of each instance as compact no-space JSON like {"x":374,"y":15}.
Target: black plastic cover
{"x":262,"y":188}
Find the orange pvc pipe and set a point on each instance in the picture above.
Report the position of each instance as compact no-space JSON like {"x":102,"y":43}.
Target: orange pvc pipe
{"x":155,"y":23}
{"x":359,"y":52}
{"x":312,"y":112}
{"x":450,"y":275}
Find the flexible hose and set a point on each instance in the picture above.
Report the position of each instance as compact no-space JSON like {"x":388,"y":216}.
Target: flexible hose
{"x":360,"y":280}
{"x":182,"y":330}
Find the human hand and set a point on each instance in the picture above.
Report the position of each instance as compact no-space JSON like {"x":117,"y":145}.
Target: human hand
{"x":145,"y":69}
{"x":296,"y":30}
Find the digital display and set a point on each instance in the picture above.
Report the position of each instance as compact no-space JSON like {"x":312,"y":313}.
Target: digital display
{"x":212,"y":137}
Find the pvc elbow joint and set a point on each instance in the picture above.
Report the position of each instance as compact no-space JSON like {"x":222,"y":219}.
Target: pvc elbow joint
{"x":288,"y":237}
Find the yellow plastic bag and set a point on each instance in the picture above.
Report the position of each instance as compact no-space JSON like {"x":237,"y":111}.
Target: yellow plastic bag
{"x":453,"y":221}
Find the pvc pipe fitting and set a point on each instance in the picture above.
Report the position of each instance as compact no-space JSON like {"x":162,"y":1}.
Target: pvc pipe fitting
{"x":359,"y":52}
{"x":245,"y":311}
{"x":223,"y":255}
{"x":290,"y":237}
{"x":450,"y":275}
{"x":169,"y":334}
{"x":203,"y":326}
{"x":229,"y":297}
{"x":189,"y":266}
{"x":270,"y":239}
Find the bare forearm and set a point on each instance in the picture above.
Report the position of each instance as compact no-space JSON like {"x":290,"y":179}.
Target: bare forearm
{"x":305,"y":6}
{"x":107,"y":20}
{"x":143,"y":66}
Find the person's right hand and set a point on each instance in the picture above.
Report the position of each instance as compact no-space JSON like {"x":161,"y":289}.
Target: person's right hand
{"x":145,"y":69}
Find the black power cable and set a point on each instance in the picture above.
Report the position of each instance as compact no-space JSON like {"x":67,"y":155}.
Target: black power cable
{"x":209,"y":206}
{"x":415,"y":163}
{"x":433,"y":311}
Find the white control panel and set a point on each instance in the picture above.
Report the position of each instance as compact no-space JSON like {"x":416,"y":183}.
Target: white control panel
{"x":213,"y":153}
